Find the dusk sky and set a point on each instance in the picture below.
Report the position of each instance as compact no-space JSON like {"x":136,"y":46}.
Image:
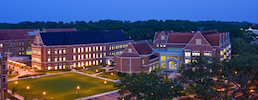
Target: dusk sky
{"x":14,"y":11}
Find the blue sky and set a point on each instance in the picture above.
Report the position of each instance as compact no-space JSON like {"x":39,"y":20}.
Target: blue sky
{"x":14,"y":11}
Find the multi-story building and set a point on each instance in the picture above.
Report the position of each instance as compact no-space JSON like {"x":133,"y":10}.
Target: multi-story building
{"x":136,"y":57}
{"x":4,"y":77}
{"x":16,"y":41}
{"x":176,"y":49}
{"x":65,"y":50}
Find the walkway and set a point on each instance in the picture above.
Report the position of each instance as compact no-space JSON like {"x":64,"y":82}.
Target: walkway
{"x":16,"y":95}
{"x":95,"y":76}
{"x":100,"y":95}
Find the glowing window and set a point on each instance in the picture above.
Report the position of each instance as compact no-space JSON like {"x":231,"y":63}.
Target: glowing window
{"x":82,"y":56}
{"x":187,"y":53}
{"x":60,"y":51}
{"x":130,"y":50}
{"x":60,"y":58}
{"x":86,"y":56}
{"x":93,"y":56}
{"x":74,"y":50}
{"x":187,"y":60}
{"x":89,"y":55}
{"x":48,"y":51}
{"x":64,"y":51}
{"x":48,"y":59}
{"x":86,"y":49}
{"x":162,"y":37}
{"x":93,"y":49}
{"x":100,"y":48}
{"x":221,"y":53}
{"x":79,"y":57}
{"x":207,"y":53}
{"x":162,"y":65}
{"x":1,"y":45}
{"x":64,"y":66}
{"x":82,"y":50}
{"x":163,"y":58}
{"x":64,"y":58}
{"x":79,"y":50}
{"x":157,"y":45}
{"x":74,"y":57}
{"x":104,"y":48}
{"x":195,"y":53}
{"x":55,"y":59}
{"x":97,"y":48}
{"x":89,"y":49}
{"x":55,"y":51}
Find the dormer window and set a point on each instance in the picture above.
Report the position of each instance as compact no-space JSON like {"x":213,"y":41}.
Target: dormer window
{"x":162,"y":37}
{"x":130,"y":50}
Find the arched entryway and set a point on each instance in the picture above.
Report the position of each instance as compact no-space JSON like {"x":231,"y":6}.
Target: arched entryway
{"x":172,"y":64}
{"x":109,"y":61}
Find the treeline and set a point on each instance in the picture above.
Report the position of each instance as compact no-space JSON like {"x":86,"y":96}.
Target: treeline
{"x":138,"y":30}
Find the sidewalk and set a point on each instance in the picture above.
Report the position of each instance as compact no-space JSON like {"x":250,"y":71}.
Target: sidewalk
{"x":93,"y":75}
{"x":98,"y":95}
{"x":16,"y":95}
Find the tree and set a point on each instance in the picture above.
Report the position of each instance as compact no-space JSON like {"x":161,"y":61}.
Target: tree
{"x":148,"y":87}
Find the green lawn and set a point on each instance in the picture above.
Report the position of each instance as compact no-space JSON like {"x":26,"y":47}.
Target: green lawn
{"x":12,"y":76}
{"x":56,"y":71}
{"x":89,"y":72}
{"x":107,"y":75}
{"x":62,"y":86}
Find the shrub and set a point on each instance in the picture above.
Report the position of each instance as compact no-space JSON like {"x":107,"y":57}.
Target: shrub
{"x":104,"y":65}
{"x":79,"y":68}
{"x":67,"y":69}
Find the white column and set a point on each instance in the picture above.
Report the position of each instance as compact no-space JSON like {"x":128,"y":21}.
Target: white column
{"x":130,"y":65}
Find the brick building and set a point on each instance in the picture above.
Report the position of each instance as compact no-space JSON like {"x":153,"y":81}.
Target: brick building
{"x":136,"y":57}
{"x":16,"y":41}
{"x":4,"y":77}
{"x":64,"y":50}
{"x":176,"y":49}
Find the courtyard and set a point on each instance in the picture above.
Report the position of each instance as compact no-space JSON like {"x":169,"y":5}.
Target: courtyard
{"x":61,"y":86}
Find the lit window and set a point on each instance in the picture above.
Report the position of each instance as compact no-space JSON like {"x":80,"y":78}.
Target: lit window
{"x":79,"y":57}
{"x":79,"y":65}
{"x":82,"y":56}
{"x":86,"y":56}
{"x":198,"y":41}
{"x":55,"y":67}
{"x":89,"y":63}
{"x":224,"y":50}
{"x":48,"y":59}
{"x":142,"y":61}
{"x":64,"y":51}
{"x":82,"y":49}
{"x":163,"y":58}
{"x":104,"y":54}
{"x":100,"y":55}
{"x":187,"y":60}
{"x":110,"y":48}
{"x":104,"y":48}
{"x":97,"y":56}
{"x":55,"y":59}
{"x":229,"y":51}
{"x":157,"y":45}
{"x":100,"y":61}
{"x":74,"y":57}
{"x":48,"y":51}
{"x":221,"y":59}
{"x":86,"y":63}
{"x":93,"y":62}
{"x":60,"y":66}
{"x":187,"y":53}
{"x":74,"y":64}
{"x":64,"y":67}
{"x":207,"y":53}
{"x":90,"y":56}
{"x":55,"y":51}
{"x":74,"y":50}
{"x":79,"y":50}
{"x":60,"y":58}
{"x":221,"y":53}
{"x":1,"y":45}
{"x":60,"y":51}
{"x":164,"y":45}
{"x":86,"y":49}
{"x":93,"y":49}
{"x":225,"y":57}
{"x":161,"y":45}
{"x":130,"y":50}
{"x":64,"y":58}
{"x":100,"y":48}
{"x":229,"y":46}
{"x":89,"y":49}
{"x":93,"y":55}
{"x":195,"y":53}
{"x":97,"y":48}
{"x":97,"y":62}
{"x":48,"y":68}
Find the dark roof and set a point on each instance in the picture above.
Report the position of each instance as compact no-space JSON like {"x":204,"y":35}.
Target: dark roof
{"x":180,"y":37}
{"x":82,"y":37}
{"x":209,"y":32}
{"x":13,"y":34}
{"x":59,"y":30}
{"x":152,"y":57}
{"x":142,"y":48}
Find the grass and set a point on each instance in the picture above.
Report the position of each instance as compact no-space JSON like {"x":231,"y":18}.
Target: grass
{"x":109,"y":76}
{"x":62,"y":86}
{"x":56,"y":71}
{"x":12,"y":76}
{"x":89,"y":72}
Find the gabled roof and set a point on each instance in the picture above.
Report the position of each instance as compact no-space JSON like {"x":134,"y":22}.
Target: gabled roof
{"x":13,"y":34}
{"x":143,"y":48}
{"x":213,"y":39}
{"x":209,"y":32}
{"x":59,"y":30}
{"x":180,"y":37}
{"x":82,"y":37}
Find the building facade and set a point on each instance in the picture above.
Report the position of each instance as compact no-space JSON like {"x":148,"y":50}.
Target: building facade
{"x":4,"y":77}
{"x":136,"y":57}
{"x":65,"y":50}
{"x":16,"y":41}
{"x":176,"y":49}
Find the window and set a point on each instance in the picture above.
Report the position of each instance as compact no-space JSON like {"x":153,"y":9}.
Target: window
{"x":93,"y":49}
{"x":89,"y":49}
{"x":48,"y":59}
{"x":100,"y":55}
{"x":82,"y":64}
{"x":97,"y":62}
{"x":86,"y":49}
{"x":1,"y":45}
{"x":79,"y":50}
{"x":104,"y":54}
{"x":187,"y":53}
{"x":60,"y":66}
{"x":221,"y":53}
{"x":64,"y":66}
{"x":82,"y":49}
{"x":4,"y":79}
{"x":60,"y":51}
{"x":74,"y":57}
{"x":229,"y":51}
{"x":82,"y":56}
{"x":164,"y":45}
{"x":89,"y":63}
{"x":48,"y":51}
{"x":93,"y":62}
{"x":79,"y":65}
{"x":161,"y":45}
{"x":79,"y":57}
{"x":162,"y":37}
{"x":163,"y":58}
{"x":225,"y":57}
{"x":93,"y":56}
{"x":100,"y":61}
{"x":64,"y":51}
{"x":130,"y":50}
{"x":157,"y":45}
{"x":55,"y":59}
{"x":97,"y":48}
{"x":55,"y":67}
{"x":64,"y":58}
{"x":207,"y":53}
{"x":100,"y":48}
{"x":86,"y":63}
{"x":55,"y":51}
{"x":142,"y":61}
{"x":229,"y":46}
{"x":74,"y":50}
{"x":49,"y":67}
{"x":86,"y":56}
{"x":198,"y":41}
{"x":104,"y":48}
{"x":74,"y":65}
{"x":195,"y":53}
{"x":97,"y":56}
{"x":187,"y":60}
{"x":224,"y":50}
{"x":90,"y":56}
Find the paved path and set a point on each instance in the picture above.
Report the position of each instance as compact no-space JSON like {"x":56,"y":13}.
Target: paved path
{"x":16,"y":95}
{"x":92,"y":75}
{"x":100,"y":95}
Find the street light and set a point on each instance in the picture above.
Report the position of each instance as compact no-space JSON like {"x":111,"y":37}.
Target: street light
{"x":112,"y":75}
{"x":28,"y":88}
{"x":16,"y":85}
{"x":105,"y":82}
{"x":235,"y":72}
{"x":97,"y":70}
{"x":78,"y":88}
{"x":44,"y":93}
{"x":252,"y":91}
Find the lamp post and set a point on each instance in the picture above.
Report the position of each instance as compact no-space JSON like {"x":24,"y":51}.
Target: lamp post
{"x":28,"y":88}
{"x":97,"y":70}
{"x":89,"y":92}
{"x":112,"y":75}
{"x":16,"y":85}
{"x":44,"y":93}
{"x":78,"y":88}
{"x":105,"y":82}
{"x":84,"y":94}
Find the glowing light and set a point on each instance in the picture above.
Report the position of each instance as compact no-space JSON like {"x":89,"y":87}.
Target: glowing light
{"x":78,"y":87}
{"x":44,"y":93}
{"x":105,"y":82}
{"x":28,"y":87}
